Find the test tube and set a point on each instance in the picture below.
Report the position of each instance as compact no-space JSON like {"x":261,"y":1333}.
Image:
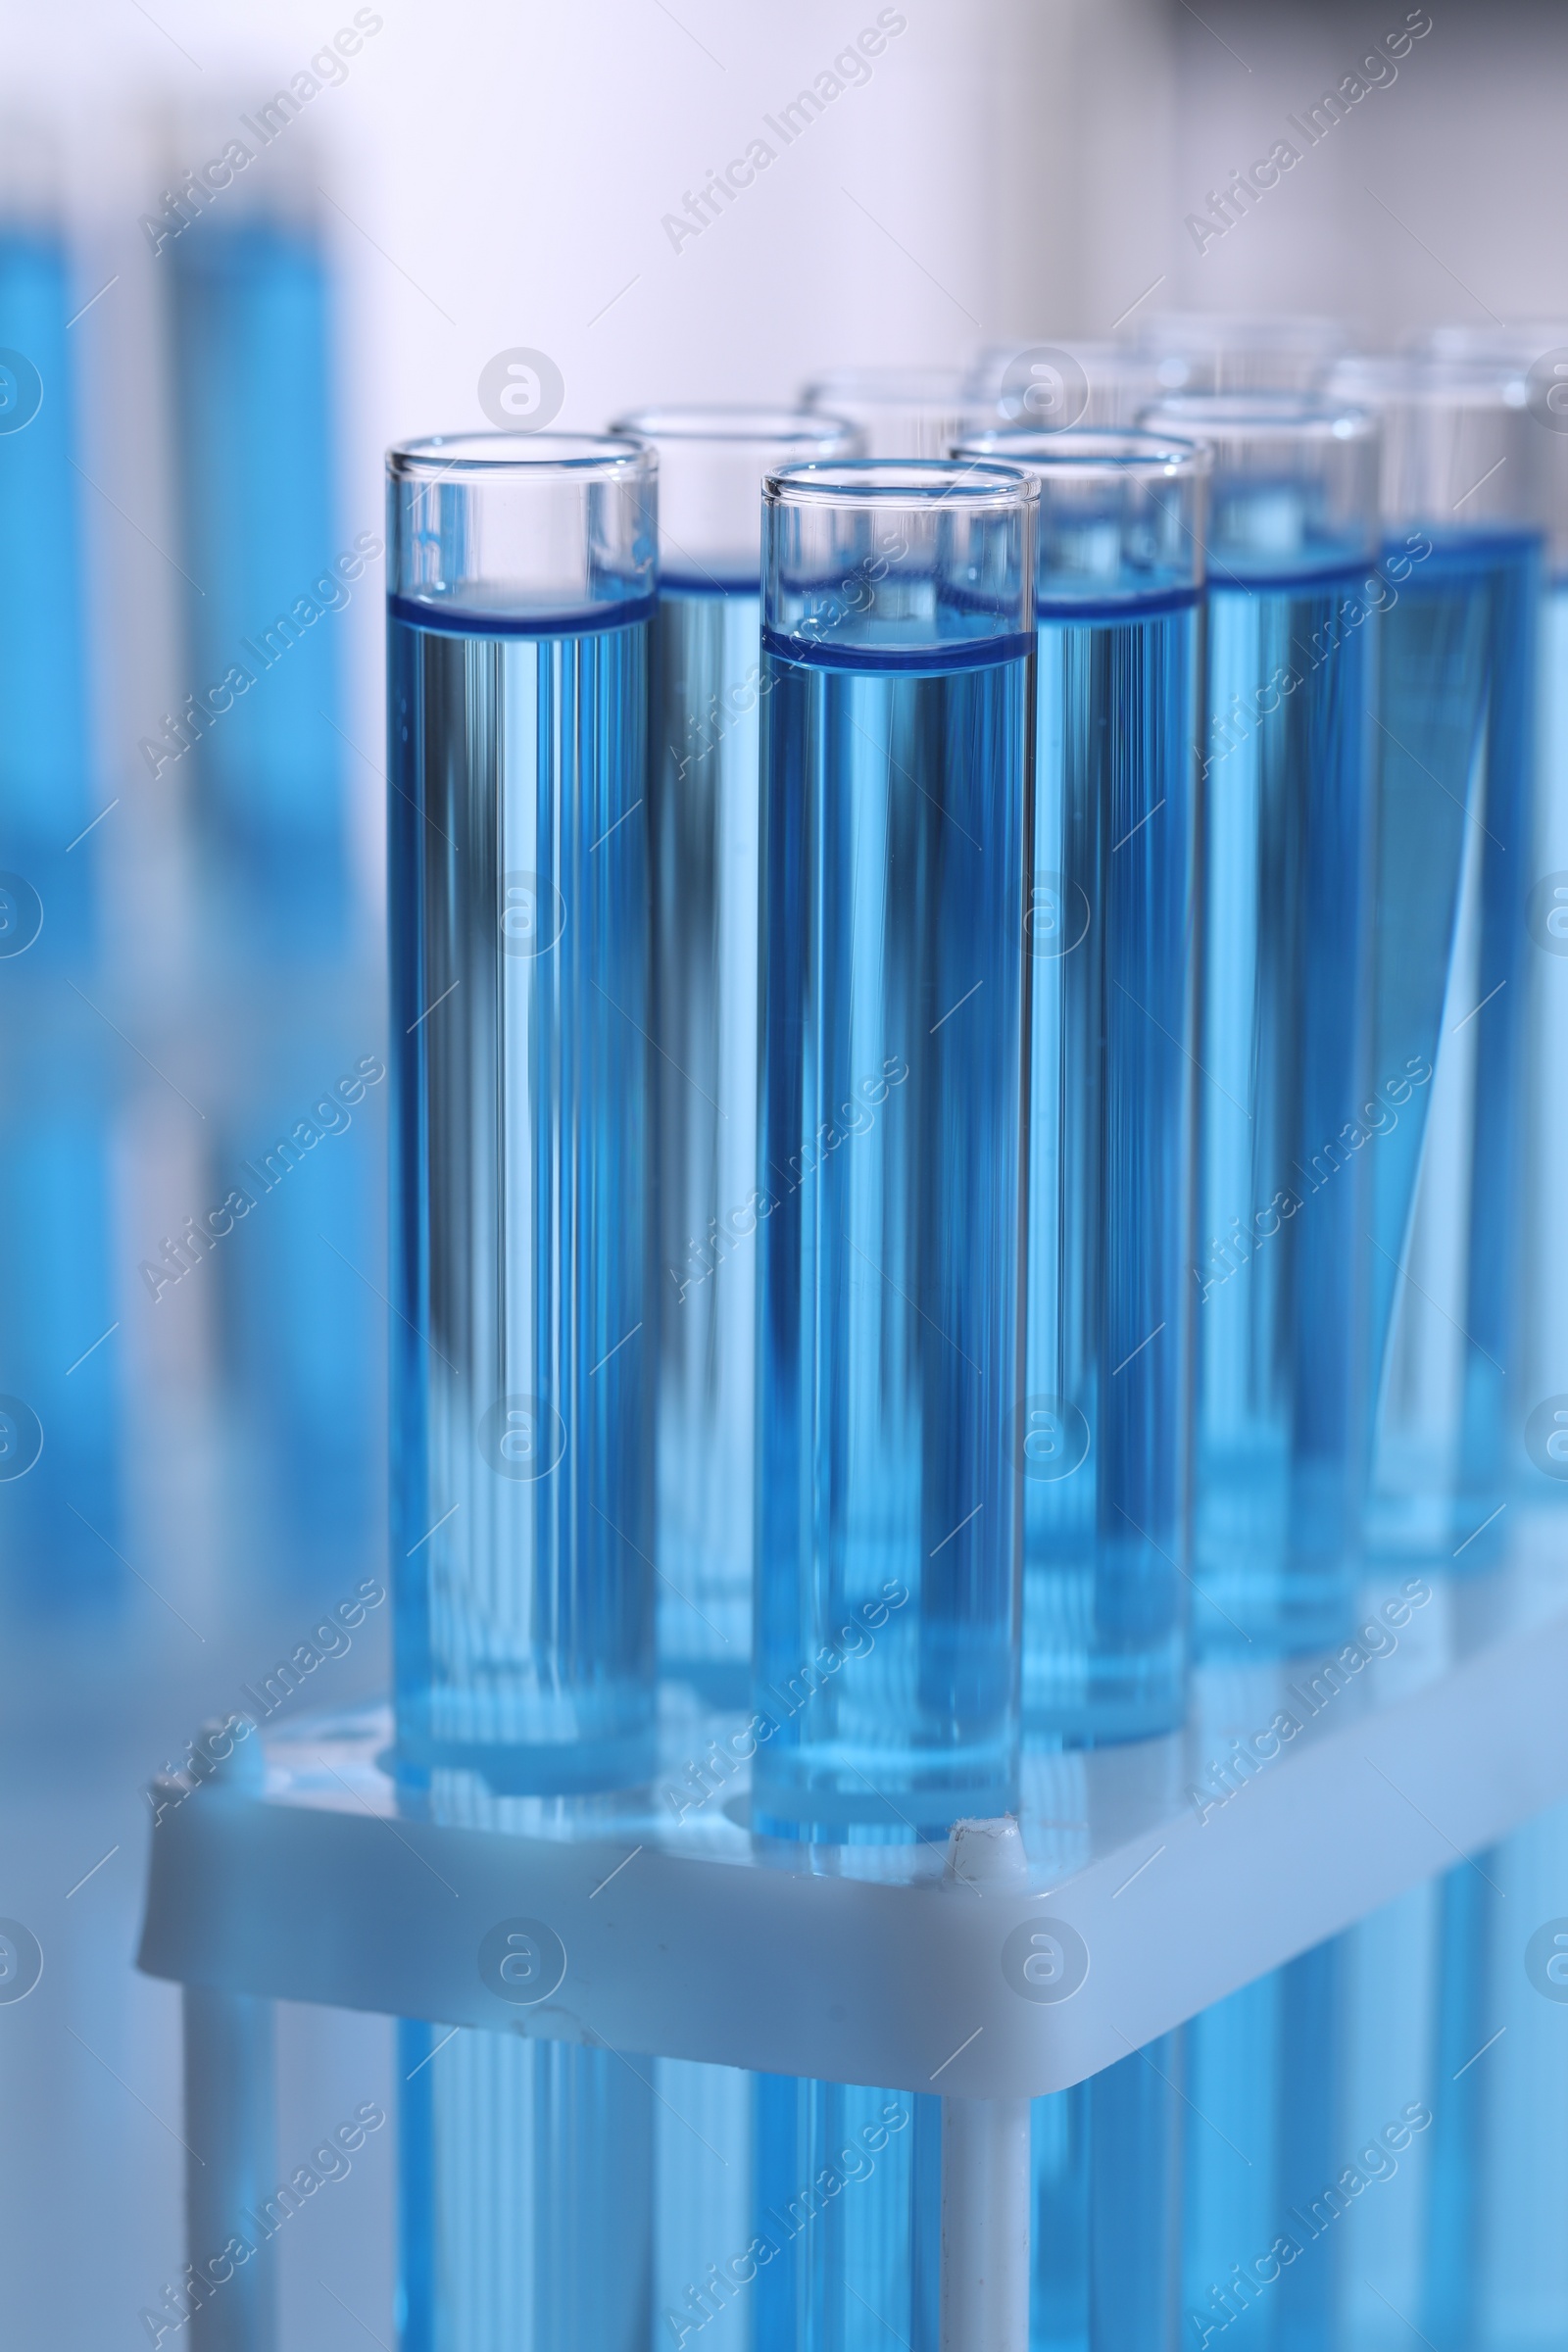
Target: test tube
{"x":59,"y":1450}
{"x":1104,"y":1434}
{"x":1263,"y":2130}
{"x":522,"y":1405}
{"x":1278,"y":1281}
{"x":45,"y":772}
{"x":1536,"y":357}
{"x":1056,"y":383}
{"x":1205,"y":351}
{"x":272,"y":567}
{"x":899,"y":411}
{"x":898,"y":611}
{"x":523,"y":1496}
{"x":1544,"y":1250}
{"x":302,"y":1330}
{"x":1455,"y":740}
{"x":706,"y":705}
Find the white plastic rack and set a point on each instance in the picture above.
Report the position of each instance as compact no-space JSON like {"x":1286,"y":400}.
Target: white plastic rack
{"x":1138,"y":1886}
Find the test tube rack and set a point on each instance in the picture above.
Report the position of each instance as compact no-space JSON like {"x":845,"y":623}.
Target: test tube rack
{"x":1137,"y":1885}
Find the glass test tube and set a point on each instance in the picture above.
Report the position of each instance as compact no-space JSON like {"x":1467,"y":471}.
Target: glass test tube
{"x":60,"y":1439}
{"x":522,"y":576}
{"x":1055,"y":383}
{"x":45,"y":779}
{"x":1544,"y":1249}
{"x":1264,"y":2132}
{"x":522,"y":1409}
{"x":1537,"y":356}
{"x":898,"y":634}
{"x":263,"y":545}
{"x":899,"y":411}
{"x":1104,"y":1434}
{"x":706,"y":718}
{"x":1205,"y":350}
{"x":1455,"y":743}
{"x":1278,"y":1282}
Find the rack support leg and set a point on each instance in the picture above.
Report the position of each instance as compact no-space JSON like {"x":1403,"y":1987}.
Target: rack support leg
{"x":230,"y":2167}
{"x":985,"y":2225}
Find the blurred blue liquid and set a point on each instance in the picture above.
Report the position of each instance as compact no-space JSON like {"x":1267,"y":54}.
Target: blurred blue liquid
{"x":1106,"y":2208}
{"x":1059,"y":2221}
{"x":301,"y":1316}
{"x":45,"y":772}
{"x":60,"y":1348}
{"x":848,"y":2196}
{"x":1457,"y":671}
{"x":1281,"y":1256}
{"x":1113,"y":952}
{"x":270,"y":574}
{"x":522,"y":1406}
{"x":895,"y":852}
{"x":1264,"y":2134}
{"x":1542,"y":1269}
{"x":705,"y":817}
{"x":1495,"y":2259}
{"x":525,"y":2196}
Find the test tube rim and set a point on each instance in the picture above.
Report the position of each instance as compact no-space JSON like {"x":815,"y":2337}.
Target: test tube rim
{"x":734,"y":424}
{"x":1432,"y":379}
{"x":936,"y":481}
{"x":439,"y":456}
{"x":1261,"y":417}
{"x":1159,"y":456}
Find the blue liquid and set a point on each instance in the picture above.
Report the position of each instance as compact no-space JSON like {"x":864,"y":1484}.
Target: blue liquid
{"x":302,"y":1326}
{"x":704,"y":780}
{"x":522,"y":1405}
{"x":1059,"y":2221}
{"x":1281,"y":1261}
{"x":1106,"y":2208}
{"x":1263,"y":2138}
{"x":60,"y":1356}
{"x":524,"y":2197}
{"x":260,"y":538}
{"x":1497,"y":2274}
{"x":857,"y":2269}
{"x":45,"y":779}
{"x":896,"y":851}
{"x":1456,"y":693}
{"x":1543,"y":1257}
{"x":1112,"y":935}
